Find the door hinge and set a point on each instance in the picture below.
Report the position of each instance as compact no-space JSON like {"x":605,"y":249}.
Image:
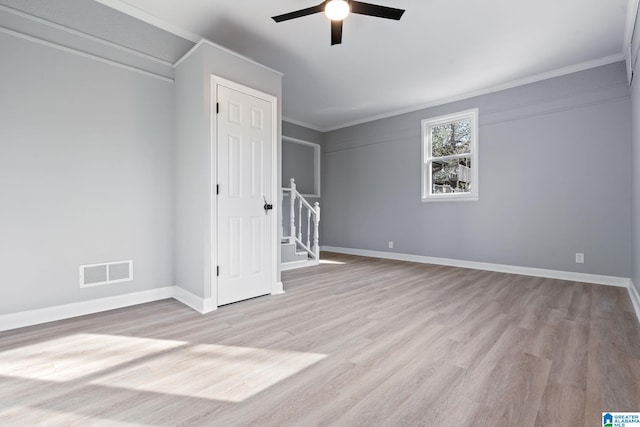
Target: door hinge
{"x":217,"y":270}
{"x":217,"y":189}
{"x":217,"y":108}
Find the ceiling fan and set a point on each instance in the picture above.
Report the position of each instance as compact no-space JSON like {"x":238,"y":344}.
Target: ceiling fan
{"x":338,"y":10}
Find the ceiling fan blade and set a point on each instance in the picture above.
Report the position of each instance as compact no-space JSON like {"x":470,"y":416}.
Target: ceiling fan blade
{"x":375,"y":10}
{"x":299,"y":13}
{"x":336,"y":32}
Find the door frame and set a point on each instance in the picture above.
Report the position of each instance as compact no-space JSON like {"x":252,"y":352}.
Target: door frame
{"x":276,"y":286}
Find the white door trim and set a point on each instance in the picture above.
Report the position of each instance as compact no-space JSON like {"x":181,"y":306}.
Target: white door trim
{"x":276,"y":288}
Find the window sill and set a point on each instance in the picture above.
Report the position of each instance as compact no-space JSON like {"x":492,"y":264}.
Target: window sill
{"x":447,"y":198}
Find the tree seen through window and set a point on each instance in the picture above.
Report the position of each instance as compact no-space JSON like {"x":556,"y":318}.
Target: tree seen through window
{"x":450,"y":163}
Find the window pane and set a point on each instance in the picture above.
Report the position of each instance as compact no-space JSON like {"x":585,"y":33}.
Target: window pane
{"x":451,"y":138}
{"x":451,"y":176}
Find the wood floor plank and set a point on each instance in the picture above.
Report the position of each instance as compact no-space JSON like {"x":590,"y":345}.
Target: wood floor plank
{"x":404,"y":398}
{"x":562,"y":406}
{"x":357,"y":341}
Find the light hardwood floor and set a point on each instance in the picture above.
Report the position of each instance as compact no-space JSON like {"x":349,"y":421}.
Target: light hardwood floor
{"x":357,"y":341}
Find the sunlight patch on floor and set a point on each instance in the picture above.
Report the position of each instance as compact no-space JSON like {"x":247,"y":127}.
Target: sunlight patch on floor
{"x":328,"y":261}
{"x":209,"y":371}
{"x":76,"y":356}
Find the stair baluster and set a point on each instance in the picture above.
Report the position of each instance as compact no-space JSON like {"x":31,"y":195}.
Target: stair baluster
{"x":300,"y":219}
{"x":292,"y":212}
{"x":296,"y":235}
{"x":316,"y":225}
{"x":308,"y":228}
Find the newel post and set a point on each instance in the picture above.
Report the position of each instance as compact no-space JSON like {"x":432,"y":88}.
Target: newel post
{"x":316,"y":238}
{"x":292,"y":212}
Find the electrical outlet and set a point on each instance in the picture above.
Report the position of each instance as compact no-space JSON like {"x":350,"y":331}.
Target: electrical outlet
{"x":579,"y":258}
{"x":390,"y":245}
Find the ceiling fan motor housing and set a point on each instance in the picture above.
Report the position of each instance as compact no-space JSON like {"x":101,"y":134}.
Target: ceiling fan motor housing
{"x":338,"y":10}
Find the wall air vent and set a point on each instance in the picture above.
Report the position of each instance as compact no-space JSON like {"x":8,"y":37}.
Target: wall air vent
{"x":105,"y":273}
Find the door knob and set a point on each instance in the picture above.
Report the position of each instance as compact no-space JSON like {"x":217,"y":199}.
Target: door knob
{"x":267,"y":206}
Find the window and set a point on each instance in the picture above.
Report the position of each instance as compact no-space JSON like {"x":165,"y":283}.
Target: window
{"x":450,"y":157}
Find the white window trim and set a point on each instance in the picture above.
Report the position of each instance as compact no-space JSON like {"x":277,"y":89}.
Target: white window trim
{"x":316,"y":163}
{"x":426,"y":158}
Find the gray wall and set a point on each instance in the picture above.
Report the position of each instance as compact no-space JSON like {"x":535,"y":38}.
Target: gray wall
{"x":85,"y":175}
{"x":291,"y":169}
{"x":555,"y":179}
{"x":190,"y":179}
{"x":298,"y":162}
{"x":193,"y":155}
{"x":635,"y":195}
{"x":293,"y":152}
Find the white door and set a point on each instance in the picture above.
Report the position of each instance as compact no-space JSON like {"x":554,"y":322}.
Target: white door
{"x":245,"y":174}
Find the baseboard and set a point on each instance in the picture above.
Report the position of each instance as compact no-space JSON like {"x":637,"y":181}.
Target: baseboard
{"x":82,"y":308}
{"x":208,"y":306}
{"x":623,"y":282}
{"x":205,"y":305}
{"x":285,"y":266}
{"x":59,"y":312}
{"x":635,"y":299}
{"x":199,"y":304}
{"x":278,"y":289}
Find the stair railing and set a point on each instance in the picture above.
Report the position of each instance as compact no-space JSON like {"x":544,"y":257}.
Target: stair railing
{"x":312,"y":214}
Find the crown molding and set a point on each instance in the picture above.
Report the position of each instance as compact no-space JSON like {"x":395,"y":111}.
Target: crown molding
{"x":180,"y":32}
{"x":303,"y":124}
{"x":85,"y":36}
{"x":509,"y":85}
{"x":85,"y":54}
{"x":41,"y":31}
{"x":150,"y":19}
{"x":229,"y":51}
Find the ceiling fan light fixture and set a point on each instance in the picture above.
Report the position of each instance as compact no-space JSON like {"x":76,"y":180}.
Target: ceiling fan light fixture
{"x":337,"y":10}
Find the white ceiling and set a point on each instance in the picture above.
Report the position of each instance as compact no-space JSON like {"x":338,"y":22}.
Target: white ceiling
{"x":440,"y":50}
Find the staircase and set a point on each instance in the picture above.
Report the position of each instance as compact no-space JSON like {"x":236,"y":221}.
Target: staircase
{"x":300,"y":249}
